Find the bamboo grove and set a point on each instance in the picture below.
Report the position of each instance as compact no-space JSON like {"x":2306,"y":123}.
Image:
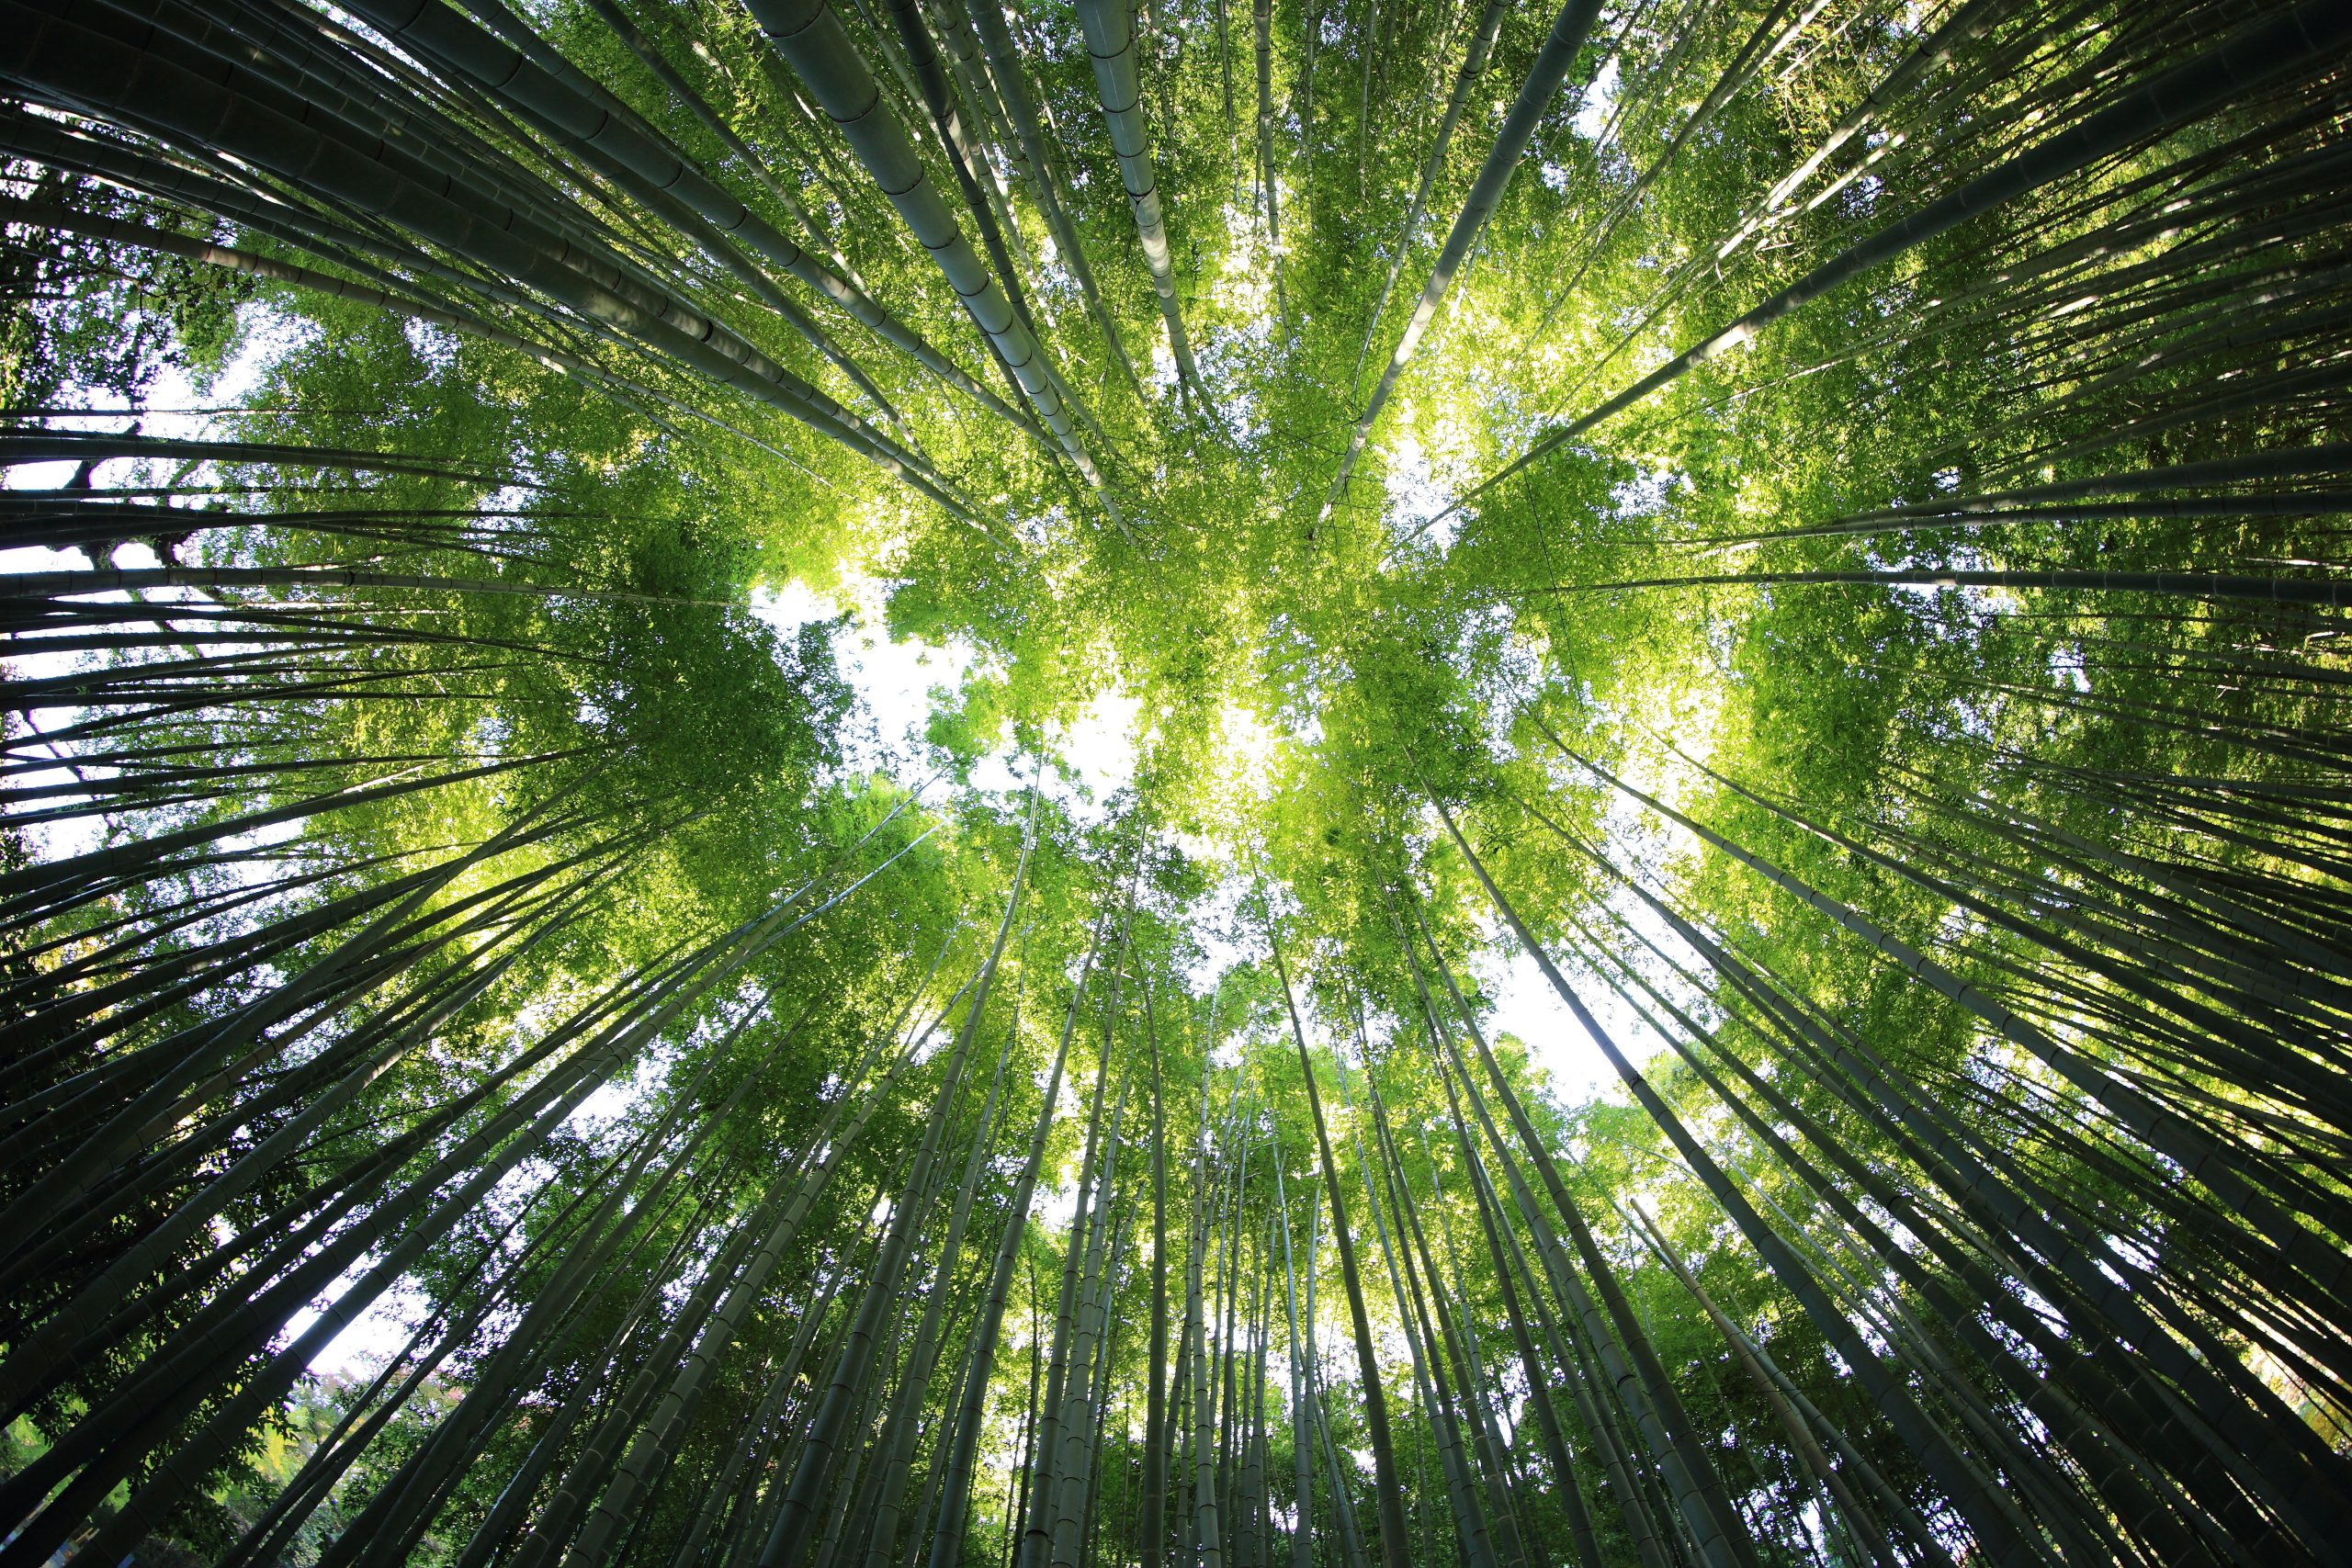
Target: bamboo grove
{"x":1783,"y":551}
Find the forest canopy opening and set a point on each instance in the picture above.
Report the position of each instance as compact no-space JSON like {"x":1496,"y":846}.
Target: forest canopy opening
{"x":1042,"y":784}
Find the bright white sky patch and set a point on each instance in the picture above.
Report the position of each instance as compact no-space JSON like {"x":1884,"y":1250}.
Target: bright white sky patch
{"x":893,"y":680}
{"x":369,"y":1341}
{"x":1600,"y":102}
{"x":1246,"y":282}
{"x":1525,"y":1005}
{"x":1098,"y":746}
{"x":1102,"y":743}
{"x":899,"y":683}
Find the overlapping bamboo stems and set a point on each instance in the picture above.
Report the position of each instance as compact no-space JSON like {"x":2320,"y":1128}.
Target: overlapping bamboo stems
{"x":634,"y":151}
{"x":1772,"y":34}
{"x":955,"y":1459}
{"x":267,"y":130}
{"x":1037,"y":1531}
{"x":726,"y":1498}
{"x":2260,"y":56}
{"x":1110,"y":44}
{"x":1566,"y":1484}
{"x":276,"y":1529}
{"x":1302,"y":1540}
{"x":1699,"y":1494}
{"x":1257,"y":1474}
{"x":1688,"y":1491}
{"x":2167,"y":986}
{"x":995,"y":149}
{"x":840,"y":284}
{"x":811,"y":38}
{"x":1102,"y":1409}
{"x":965,"y":161}
{"x":2071,"y":1256}
{"x":2237,"y":1059}
{"x":401,"y":930}
{"x":757,"y":1504}
{"x":2235,"y":1011}
{"x":141,"y":1413}
{"x":2064,"y":1416}
{"x":650,"y":49}
{"x":561,"y":104}
{"x":792,"y":1537}
{"x":1607,"y":1398}
{"x":1224,"y":1367}
{"x":859,"y":1491}
{"x":1553,"y":61}
{"x":2058,"y":503}
{"x":1031,"y":155}
{"x":559,"y":1517}
{"x":72,"y":1332}
{"x":1269,"y":173}
{"x":658,"y":1432}
{"x":889,"y":1502}
{"x":2231,"y":232}
{"x":526,"y":124}
{"x":1473,"y":64}
{"x":424,"y":1492}
{"x":59,"y":1201}
{"x":420,"y":1481}
{"x":865,"y":1501}
{"x":2220,"y":587}
{"x":1459,"y":1335}
{"x":2157,"y":1413}
{"x":625,"y":1016}
{"x":1207,"y":1532}
{"x":1896,"y":101}
{"x":1151,"y":1524}
{"x":2235,"y":1177}
{"x":1077,"y":1433}
{"x":1394,"y":1547}
{"x":1472,"y":1527}
{"x":387,"y":1271}
{"x":1336,"y":1475}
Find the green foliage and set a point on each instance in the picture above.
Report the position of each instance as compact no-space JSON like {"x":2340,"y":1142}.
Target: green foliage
{"x":1958,"y":946}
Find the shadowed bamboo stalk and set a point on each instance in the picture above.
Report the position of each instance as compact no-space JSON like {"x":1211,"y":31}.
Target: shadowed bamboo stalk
{"x":1110,"y":45}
